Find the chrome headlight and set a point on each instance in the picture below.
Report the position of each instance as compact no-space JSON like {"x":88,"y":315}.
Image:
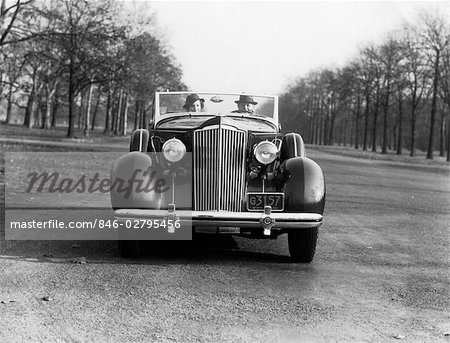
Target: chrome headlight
{"x":174,"y":150}
{"x":266,"y":152}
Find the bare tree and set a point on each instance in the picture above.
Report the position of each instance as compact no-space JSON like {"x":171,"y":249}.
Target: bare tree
{"x":13,"y":64}
{"x":417,"y":80}
{"x":9,"y":16}
{"x":388,"y":57}
{"x":445,"y":93}
{"x":435,"y":38}
{"x":82,"y":32}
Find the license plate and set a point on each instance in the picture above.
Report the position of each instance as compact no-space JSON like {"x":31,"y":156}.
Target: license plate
{"x":257,"y":201}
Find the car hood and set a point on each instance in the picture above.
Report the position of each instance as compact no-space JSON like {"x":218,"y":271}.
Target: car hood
{"x":243,"y":122}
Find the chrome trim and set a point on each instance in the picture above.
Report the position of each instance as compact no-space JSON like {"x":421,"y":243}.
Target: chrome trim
{"x":219,"y":168}
{"x":220,"y":160}
{"x":295,"y":147}
{"x":229,"y":219}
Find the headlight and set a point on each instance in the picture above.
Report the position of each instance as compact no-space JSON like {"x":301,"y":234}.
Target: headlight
{"x":174,"y":150}
{"x":266,"y":152}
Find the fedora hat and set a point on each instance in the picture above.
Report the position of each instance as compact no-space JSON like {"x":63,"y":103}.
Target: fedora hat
{"x":190,"y":99}
{"x":246,"y":98}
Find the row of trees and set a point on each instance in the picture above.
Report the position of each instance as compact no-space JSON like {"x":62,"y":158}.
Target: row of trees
{"x":63,"y":60}
{"x":391,"y":96}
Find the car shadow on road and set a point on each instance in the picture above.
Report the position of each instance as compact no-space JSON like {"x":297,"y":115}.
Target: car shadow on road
{"x":217,"y":250}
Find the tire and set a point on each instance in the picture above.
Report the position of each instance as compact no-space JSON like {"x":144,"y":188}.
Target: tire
{"x":130,"y":249}
{"x":302,"y":244}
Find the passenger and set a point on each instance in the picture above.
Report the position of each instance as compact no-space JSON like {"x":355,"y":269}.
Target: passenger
{"x":245,"y":104}
{"x":194,"y":103}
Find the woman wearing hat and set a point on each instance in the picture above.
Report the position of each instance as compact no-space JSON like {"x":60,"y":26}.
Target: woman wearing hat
{"x":245,"y":104}
{"x":194,"y":103}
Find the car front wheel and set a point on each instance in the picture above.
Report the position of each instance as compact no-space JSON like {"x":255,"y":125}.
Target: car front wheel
{"x":302,"y":244}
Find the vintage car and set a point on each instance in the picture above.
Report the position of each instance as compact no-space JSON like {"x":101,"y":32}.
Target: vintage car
{"x":246,"y":178}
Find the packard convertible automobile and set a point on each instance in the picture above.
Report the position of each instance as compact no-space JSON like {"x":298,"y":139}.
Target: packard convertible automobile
{"x":232,"y":169}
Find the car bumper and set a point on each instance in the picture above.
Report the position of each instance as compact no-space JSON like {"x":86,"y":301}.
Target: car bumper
{"x":227,"y":219}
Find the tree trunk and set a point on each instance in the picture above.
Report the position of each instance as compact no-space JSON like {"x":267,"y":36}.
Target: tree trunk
{"x":448,"y":136}
{"x":48,"y":113}
{"x":108,"y":111}
{"x":55,"y":106}
{"x":326,"y":126}
{"x":29,"y":113}
{"x":358,"y":114}
{"x":33,"y":113}
{"x":118,"y":113}
{"x":386,"y":110}
{"x":331,"y":138}
{"x":136,"y":115}
{"x":28,"y":122}
{"x":412,"y":148}
{"x":393,"y":139}
{"x":1,"y":73}
{"x":39,"y":114}
{"x":374,"y":129}
{"x":9,"y":106}
{"x":42,"y":108}
{"x":144,"y":117}
{"x":352,"y":128}
{"x":375,"y":119}
{"x":442,"y":136}
{"x":400,"y":129}
{"x":345,"y":131}
{"x":320,"y":128}
{"x":125,"y":117}
{"x":114,"y":116}
{"x":88,"y":111}
{"x":48,"y":106}
{"x":433,"y":105}
{"x":366,"y":121}
{"x":70,"y":127}
{"x":80,"y":110}
{"x":94,"y":114}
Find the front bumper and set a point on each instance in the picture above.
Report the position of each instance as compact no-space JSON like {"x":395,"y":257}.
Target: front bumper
{"x":264,"y":220}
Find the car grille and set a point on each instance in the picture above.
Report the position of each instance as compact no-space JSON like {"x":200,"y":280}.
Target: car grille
{"x":219,"y":169}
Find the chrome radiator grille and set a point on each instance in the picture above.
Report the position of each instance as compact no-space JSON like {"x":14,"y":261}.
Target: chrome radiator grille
{"x":219,"y":169}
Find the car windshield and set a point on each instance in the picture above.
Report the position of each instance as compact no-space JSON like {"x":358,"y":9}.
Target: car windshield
{"x":216,"y":104}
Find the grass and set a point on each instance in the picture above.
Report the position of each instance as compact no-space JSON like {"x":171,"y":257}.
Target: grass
{"x":391,"y":155}
{"x":56,"y":134}
{"x":19,"y":138}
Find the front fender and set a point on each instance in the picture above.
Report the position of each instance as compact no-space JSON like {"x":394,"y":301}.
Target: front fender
{"x":304,"y":187}
{"x":138,"y":181}
{"x":132,"y":181}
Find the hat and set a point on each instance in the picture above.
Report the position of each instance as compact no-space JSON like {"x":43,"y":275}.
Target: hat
{"x":246,"y":98}
{"x":190,"y":99}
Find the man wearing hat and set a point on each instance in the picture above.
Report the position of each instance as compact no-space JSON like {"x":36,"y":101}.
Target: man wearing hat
{"x":194,"y":103}
{"x":245,"y":104}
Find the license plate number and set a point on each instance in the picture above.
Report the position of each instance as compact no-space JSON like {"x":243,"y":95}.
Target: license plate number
{"x":257,"y":201}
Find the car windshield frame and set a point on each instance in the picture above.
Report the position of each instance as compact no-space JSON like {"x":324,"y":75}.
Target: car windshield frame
{"x":158,"y":116}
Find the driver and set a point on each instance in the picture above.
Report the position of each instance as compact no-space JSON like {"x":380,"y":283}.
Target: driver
{"x":245,"y":104}
{"x":194,"y":103}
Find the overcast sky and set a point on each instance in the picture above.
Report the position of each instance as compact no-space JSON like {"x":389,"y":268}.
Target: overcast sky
{"x":261,"y":46}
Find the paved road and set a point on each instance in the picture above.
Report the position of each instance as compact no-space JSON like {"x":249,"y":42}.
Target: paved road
{"x":381,"y":273}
